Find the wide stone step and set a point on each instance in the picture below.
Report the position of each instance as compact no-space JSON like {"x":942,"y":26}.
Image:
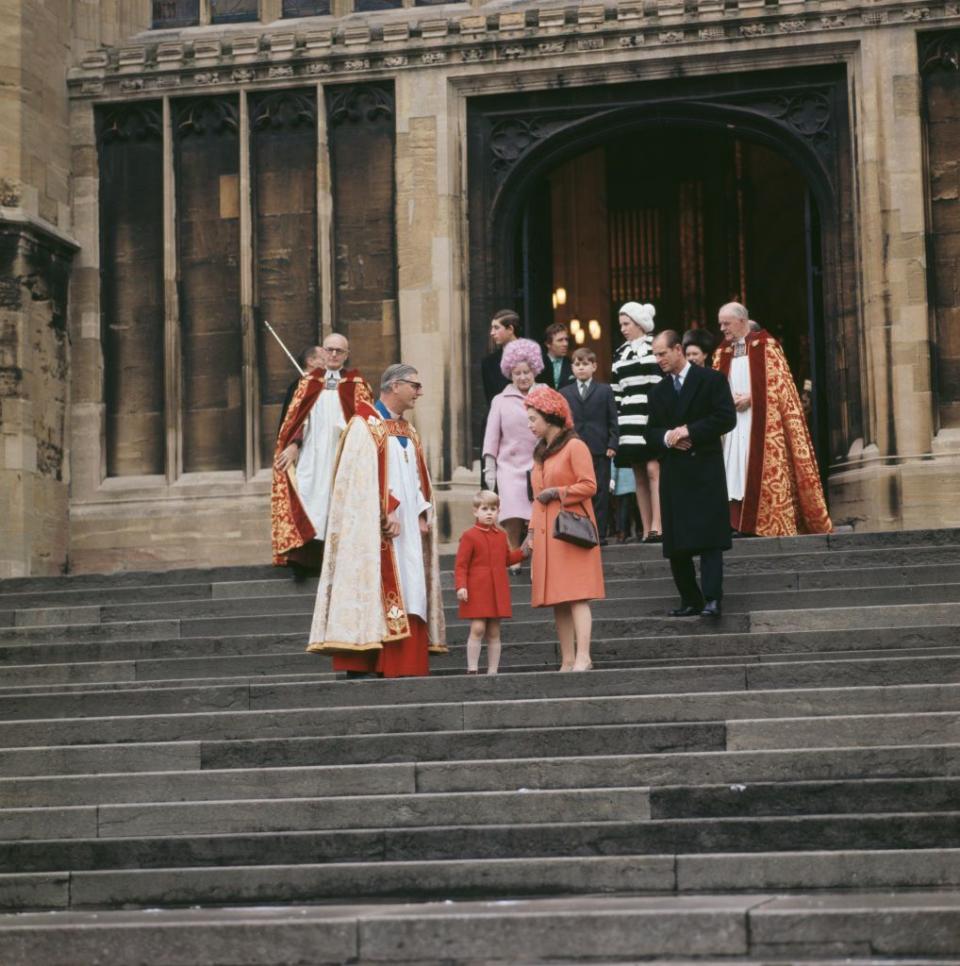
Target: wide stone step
{"x":629,"y":562}
{"x":297,"y":667}
{"x":257,"y":711}
{"x":806,"y":798}
{"x":885,"y":831}
{"x":507,"y":711}
{"x":621,"y":929}
{"x":517,"y":807}
{"x":341,"y":812}
{"x":357,"y":748}
{"x":865,"y":616}
{"x":624,"y":597}
{"x":653,"y":577}
{"x":604,"y":771}
{"x":454,"y":879}
{"x":258,"y":936}
{"x":144,"y":578}
{"x":679,"y":645}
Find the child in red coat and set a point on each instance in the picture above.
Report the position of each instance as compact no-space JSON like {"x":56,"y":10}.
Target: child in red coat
{"x":480,"y":576}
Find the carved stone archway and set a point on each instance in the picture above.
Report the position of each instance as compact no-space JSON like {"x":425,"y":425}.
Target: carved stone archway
{"x":514,"y":139}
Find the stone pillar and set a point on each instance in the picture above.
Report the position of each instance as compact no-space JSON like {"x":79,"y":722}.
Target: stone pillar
{"x":896,"y":321}
{"x":898,"y":393}
{"x":433,"y":325}
{"x":35,"y":253}
{"x":431,"y":284}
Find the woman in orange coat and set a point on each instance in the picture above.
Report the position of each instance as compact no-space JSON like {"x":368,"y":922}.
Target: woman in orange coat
{"x":565,"y":576}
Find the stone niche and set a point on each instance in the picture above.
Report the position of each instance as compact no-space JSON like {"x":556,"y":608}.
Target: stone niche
{"x":34,"y":362}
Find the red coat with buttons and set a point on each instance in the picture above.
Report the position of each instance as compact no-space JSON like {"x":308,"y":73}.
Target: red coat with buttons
{"x":482,"y":560}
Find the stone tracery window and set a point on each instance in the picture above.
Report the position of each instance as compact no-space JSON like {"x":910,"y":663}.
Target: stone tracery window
{"x":190,"y":383}
{"x":176,"y":13}
{"x":131,"y":205}
{"x":233,"y":11}
{"x":305,"y":8}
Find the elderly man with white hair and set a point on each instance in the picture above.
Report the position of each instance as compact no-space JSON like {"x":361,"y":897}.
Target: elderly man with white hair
{"x":379,"y":609}
{"x":773,"y":482}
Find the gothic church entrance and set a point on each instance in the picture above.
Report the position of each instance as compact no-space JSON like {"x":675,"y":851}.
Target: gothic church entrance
{"x":583,"y":200}
{"x":686,"y":220}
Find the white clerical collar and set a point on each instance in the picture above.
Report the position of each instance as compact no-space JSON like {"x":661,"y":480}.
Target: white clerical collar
{"x":334,"y":374}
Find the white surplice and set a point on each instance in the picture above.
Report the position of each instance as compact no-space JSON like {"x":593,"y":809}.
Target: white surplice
{"x":405,"y":486}
{"x":736,"y":443}
{"x":321,"y":436}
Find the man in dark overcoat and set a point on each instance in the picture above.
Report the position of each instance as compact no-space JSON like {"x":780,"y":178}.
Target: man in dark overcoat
{"x":690,"y":410}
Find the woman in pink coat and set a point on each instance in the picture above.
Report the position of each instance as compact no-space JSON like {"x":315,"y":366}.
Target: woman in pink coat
{"x":565,"y":576}
{"x":508,"y":443}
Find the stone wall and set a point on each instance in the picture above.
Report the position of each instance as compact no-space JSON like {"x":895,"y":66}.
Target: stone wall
{"x":891,"y":467}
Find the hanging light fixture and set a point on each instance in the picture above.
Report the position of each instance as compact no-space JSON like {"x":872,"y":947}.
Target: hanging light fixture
{"x":561,"y":296}
{"x":574,"y":326}
{"x":593,"y":327}
{"x":579,"y":336}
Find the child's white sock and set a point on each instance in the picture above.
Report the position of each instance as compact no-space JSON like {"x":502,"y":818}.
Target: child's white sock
{"x":473,"y":652}
{"x":493,"y":655}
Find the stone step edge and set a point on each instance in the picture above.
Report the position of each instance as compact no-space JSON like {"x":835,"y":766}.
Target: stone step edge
{"x":797,"y":615}
{"x":637,"y":581}
{"x":652,"y":793}
{"x":450,"y":605}
{"x":298,"y":643}
{"x":668,"y":873}
{"x":941,"y":750}
{"x":624,"y":929}
{"x":249,"y":679}
{"x":194,"y":686}
{"x":593,"y":698}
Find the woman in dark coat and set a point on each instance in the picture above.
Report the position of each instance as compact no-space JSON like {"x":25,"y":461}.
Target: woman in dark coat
{"x":698,"y":346}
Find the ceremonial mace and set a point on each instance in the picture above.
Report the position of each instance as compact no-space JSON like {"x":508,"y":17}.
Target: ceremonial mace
{"x":296,"y":365}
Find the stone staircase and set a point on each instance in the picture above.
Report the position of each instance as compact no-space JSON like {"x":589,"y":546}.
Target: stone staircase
{"x":181,"y":784}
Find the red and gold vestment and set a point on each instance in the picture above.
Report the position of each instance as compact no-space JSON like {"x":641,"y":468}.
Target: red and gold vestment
{"x":783,"y":495}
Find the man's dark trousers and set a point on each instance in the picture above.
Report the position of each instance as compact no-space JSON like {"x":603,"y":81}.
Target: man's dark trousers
{"x":601,"y":499}
{"x":693,"y":484}
{"x":685,"y":577}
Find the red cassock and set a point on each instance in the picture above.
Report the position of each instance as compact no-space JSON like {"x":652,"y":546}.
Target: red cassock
{"x":482,"y":560}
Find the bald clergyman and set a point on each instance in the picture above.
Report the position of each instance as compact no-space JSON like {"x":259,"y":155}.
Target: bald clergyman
{"x":325,"y":400}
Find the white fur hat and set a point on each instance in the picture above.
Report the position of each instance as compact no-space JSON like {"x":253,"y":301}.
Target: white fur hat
{"x":641,"y":314}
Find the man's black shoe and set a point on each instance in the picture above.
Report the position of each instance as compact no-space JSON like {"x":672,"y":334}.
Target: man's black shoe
{"x":711,"y":609}
{"x":685,"y":612}
{"x":359,"y":675}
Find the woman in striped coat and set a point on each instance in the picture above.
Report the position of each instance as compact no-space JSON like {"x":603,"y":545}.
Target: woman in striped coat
{"x":634,"y":374}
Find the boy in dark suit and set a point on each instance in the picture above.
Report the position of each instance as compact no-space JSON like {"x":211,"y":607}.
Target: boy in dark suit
{"x":594,"y":413}
{"x":690,"y":410}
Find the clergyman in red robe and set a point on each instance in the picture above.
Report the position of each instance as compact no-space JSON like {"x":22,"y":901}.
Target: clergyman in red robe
{"x":773,"y":481}
{"x":379,"y":608}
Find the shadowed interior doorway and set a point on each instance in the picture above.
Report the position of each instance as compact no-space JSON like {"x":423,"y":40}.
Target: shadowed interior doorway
{"x":687,"y":220}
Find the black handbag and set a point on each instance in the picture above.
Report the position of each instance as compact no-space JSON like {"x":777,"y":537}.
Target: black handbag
{"x":575,"y":528}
